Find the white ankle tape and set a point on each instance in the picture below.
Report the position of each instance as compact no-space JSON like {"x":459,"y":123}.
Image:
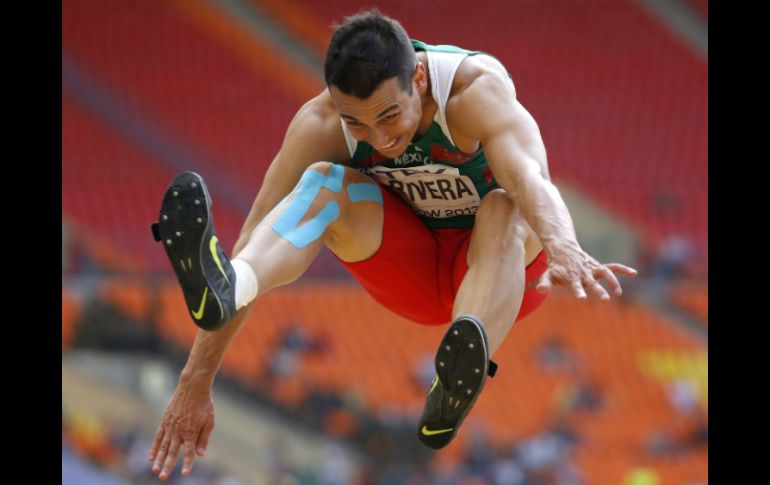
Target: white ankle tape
{"x":246,"y":285}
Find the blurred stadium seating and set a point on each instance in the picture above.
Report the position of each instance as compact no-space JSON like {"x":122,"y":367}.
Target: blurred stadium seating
{"x":692,"y":297}
{"x":150,"y":89}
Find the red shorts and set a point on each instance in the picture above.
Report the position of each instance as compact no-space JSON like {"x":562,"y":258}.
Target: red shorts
{"x":416,"y":271}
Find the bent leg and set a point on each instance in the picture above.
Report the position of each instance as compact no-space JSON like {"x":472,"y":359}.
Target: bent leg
{"x":493,"y":287}
{"x":486,"y":305}
{"x":332,"y":206}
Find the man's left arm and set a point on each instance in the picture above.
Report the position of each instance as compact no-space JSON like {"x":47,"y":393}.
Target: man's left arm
{"x":516,"y":155}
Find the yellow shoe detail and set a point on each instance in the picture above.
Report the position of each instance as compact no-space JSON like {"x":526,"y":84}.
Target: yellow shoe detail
{"x":199,"y":314}
{"x":428,"y":432}
{"x":213,"y":248}
{"x":433,"y":386}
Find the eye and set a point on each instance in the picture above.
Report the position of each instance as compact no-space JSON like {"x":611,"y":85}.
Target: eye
{"x":353,"y":124}
{"x":390,"y":118}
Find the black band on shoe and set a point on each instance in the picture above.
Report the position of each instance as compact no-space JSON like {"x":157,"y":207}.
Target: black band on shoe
{"x":492,"y":368}
{"x":155,"y":227}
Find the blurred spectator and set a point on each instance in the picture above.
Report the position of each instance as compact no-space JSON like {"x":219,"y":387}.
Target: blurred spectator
{"x":425,"y":371}
{"x":576,"y":396}
{"x":74,"y":253}
{"x":336,"y":468}
{"x":665,"y":442}
{"x":295,"y":342}
{"x":662,"y":443}
{"x":683,"y":396}
{"x":298,"y":339}
{"x":283,"y":364}
{"x":554,"y":356}
{"x":567,"y":473}
{"x":318,"y":405}
{"x":507,"y":471}
{"x":544,"y":453}
{"x":699,"y":434}
{"x":674,"y":255}
{"x":479,"y":456}
{"x":391,"y":416}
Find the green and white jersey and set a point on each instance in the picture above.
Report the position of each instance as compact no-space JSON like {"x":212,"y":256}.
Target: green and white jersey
{"x":443,"y":185}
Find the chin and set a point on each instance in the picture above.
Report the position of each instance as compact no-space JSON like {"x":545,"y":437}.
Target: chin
{"x":400,"y":152}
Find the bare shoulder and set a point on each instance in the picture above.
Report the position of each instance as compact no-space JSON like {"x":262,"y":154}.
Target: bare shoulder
{"x":322,"y":107}
{"x":479,"y":69}
{"x":484,"y":108}
{"x":482,"y":96}
{"x":317,"y":127}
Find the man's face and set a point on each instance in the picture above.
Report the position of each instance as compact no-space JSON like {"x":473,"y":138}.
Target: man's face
{"x":388,"y":119}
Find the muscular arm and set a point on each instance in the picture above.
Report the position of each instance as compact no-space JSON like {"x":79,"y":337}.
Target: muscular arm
{"x":516,"y":155}
{"x":314,"y":134}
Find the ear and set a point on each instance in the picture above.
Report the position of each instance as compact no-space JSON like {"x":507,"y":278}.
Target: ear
{"x":420,"y":78}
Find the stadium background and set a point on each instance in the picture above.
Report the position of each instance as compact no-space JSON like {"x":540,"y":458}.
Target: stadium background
{"x":587,"y":393}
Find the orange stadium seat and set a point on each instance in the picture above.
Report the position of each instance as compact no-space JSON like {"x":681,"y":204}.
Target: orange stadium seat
{"x":610,"y":340}
{"x":693,"y":298}
{"x":133,"y":297}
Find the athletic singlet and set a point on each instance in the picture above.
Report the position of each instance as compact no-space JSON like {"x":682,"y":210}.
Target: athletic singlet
{"x":443,"y":185}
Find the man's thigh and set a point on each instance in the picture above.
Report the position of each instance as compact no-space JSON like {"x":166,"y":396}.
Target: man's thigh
{"x":416,"y":271}
{"x":531,"y":299}
{"x":402,"y":275}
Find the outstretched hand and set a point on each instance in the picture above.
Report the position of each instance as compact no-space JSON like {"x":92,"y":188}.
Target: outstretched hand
{"x":187,"y":422}
{"x":574,"y":268}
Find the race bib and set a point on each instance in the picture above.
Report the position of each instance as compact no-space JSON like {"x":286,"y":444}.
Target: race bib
{"x":433,"y":190}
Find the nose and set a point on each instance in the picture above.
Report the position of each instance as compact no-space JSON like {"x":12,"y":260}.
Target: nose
{"x":378,"y":138}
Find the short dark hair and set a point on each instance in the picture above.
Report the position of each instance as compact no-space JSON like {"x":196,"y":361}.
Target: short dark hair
{"x":367,"y":49}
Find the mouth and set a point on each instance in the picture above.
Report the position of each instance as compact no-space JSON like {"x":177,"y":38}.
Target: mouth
{"x":391,"y":145}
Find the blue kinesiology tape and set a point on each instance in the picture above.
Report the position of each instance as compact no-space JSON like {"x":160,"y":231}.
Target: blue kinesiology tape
{"x":364,"y":192}
{"x":308,"y":188}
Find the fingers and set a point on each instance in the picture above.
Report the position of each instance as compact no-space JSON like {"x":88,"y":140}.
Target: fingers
{"x":162,"y":451}
{"x":166,"y":447}
{"x":588,"y":279}
{"x":203,"y":439}
{"x":577,"y":289}
{"x":612,"y":280}
{"x":545,"y":284}
{"x":622,"y":269}
{"x":598,"y":290}
{"x":171,"y":458}
{"x":189,"y":454}
{"x":156,"y":443}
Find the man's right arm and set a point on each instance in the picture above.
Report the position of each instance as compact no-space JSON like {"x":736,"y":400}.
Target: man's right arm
{"x":314,"y":134}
